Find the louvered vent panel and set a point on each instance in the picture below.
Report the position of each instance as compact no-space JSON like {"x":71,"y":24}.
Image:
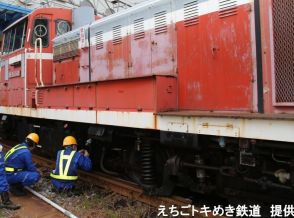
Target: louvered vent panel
{"x":66,"y":50}
{"x":160,"y":20}
{"x":191,"y":13}
{"x":99,"y":40}
{"x":117,"y":35}
{"x":139,"y":31}
{"x":283,"y":28}
{"x":227,"y":8}
{"x":40,"y":97}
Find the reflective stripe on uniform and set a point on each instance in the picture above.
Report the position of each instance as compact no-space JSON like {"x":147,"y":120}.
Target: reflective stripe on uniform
{"x":12,"y":150}
{"x":63,"y":173}
{"x":63,"y":177}
{"x":11,"y":169}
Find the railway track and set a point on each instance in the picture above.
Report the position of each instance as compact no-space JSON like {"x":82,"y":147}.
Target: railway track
{"x":32,"y":206}
{"x":119,"y":186}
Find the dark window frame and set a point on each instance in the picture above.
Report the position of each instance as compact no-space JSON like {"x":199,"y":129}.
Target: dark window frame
{"x":33,"y":38}
{"x":9,"y":43}
{"x":22,"y":35}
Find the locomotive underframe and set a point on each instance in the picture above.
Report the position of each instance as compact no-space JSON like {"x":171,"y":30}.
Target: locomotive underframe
{"x":165,"y":162}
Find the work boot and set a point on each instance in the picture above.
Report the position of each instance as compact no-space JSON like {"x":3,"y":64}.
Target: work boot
{"x":17,"y":189}
{"x":7,"y":203}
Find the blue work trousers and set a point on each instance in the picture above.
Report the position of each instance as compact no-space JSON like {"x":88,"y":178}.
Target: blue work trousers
{"x":26,"y":178}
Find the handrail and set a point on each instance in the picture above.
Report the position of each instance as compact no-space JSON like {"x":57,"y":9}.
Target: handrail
{"x":25,"y":79}
{"x":40,"y":58}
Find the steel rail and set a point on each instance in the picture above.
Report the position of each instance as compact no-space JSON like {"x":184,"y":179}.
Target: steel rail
{"x":51,"y":203}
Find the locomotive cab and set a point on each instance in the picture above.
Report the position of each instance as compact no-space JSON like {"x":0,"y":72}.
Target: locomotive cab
{"x":26,"y":54}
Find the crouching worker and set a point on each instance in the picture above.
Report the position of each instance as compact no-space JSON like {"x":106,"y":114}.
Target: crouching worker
{"x":20,"y":169}
{"x":6,"y":202}
{"x":67,"y":163}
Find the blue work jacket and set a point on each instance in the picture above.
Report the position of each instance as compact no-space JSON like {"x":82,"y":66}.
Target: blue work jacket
{"x":78,"y":161}
{"x":21,"y":159}
{"x":3,"y":181}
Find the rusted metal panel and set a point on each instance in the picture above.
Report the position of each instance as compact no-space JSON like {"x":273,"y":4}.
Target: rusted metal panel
{"x":140,"y":44}
{"x":85,"y":96}
{"x":84,"y":65}
{"x":47,"y":74}
{"x":57,"y":97}
{"x":4,"y":97}
{"x":33,"y":72}
{"x":267,"y":50}
{"x":163,"y":40}
{"x":15,"y":97}
{"x":143,"y":94}
{"x":166,"y":93}
{"x":118,"y":50}
{"x":99,"y":55}
{"x":134,"y":94}
{"x":215,"y":60}
{"x":122,"y":45}
{"x":66,"y":71}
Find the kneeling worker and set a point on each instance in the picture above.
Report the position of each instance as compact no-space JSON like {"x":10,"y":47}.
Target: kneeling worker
{"x":20,"y":169}
{"x":6,"y":202}
{"x":67,"y":163}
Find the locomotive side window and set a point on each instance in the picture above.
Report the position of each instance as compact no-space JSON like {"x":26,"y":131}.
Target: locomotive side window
{"x":6,"y":42}
{"x":62,"y":26}
{"x":12,"y":40}
{"x":19,"y":36}
{"x":40,"y":30}
{"x":15,"y":37}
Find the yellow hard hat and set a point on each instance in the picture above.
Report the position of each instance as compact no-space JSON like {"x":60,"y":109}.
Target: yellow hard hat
{"x":69,"y":140}
{"x":34,"y":137}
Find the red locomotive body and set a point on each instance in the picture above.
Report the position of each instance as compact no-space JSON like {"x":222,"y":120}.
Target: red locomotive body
{"x":205,"y":75}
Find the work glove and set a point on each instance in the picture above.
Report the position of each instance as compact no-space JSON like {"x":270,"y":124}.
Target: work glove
{"x":84,"y":152}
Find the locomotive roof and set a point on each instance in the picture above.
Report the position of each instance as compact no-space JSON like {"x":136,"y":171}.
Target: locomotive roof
{"x":127,"y":11}
{"x":110,"y":17}
{"x":15,"y":22}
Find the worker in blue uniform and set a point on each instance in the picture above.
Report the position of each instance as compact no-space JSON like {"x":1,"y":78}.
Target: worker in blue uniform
{"x":68,"y":161}
{"x":4,"y":187}
{"x":20,"y":169}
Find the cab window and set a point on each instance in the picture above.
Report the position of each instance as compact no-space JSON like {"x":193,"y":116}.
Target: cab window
{"x":14,"y":37}
{"x":40,"y":30}
{"x":62,"y":26}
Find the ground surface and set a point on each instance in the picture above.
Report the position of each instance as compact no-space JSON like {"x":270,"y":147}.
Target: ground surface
{"x":92,"y":202}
